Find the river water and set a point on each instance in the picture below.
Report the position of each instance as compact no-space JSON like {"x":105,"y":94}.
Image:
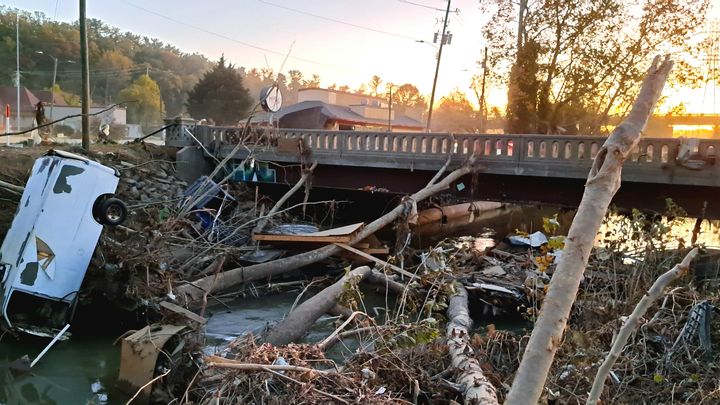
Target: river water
{"x":84,"y":369}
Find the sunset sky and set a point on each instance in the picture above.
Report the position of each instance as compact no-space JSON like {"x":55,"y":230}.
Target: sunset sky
{"x":346,"y":51}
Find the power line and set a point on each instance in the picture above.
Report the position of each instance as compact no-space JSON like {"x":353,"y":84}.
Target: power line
{"x":249,"y":45}
{"x":362,"y":27}
{"x":426,"y":6}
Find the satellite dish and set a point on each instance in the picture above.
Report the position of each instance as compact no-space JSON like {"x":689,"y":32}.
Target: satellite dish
{"x":271,"y":98}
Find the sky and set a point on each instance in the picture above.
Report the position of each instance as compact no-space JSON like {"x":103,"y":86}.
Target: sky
{"x":340,"y":53}
{"x":366,"y":38}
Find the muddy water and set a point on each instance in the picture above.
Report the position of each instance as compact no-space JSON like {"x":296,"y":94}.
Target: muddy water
{"x":84,"y":370}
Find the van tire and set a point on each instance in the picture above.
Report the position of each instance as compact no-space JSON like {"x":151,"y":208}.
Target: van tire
{"x":112,"y":211}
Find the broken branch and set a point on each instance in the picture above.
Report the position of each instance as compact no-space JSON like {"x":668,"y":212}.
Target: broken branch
{"x":194,"y":291}
{"x":633,"y":320}
{"x":306,"y":175}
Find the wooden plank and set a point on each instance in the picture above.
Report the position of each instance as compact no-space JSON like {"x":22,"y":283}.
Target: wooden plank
{"x":376,"y":260}
{"x":341,"y":231}
{"x":342,"y":234}
{"x":185,"y":312}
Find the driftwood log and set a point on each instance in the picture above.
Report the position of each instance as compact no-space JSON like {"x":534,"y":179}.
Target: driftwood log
{"x":234,"y":277}
{"x":304,"y":316}
{"x":476,"y":387}
{"x":602,"y":184}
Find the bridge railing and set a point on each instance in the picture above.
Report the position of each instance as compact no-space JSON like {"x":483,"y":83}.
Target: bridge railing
{"x":556,"y":150}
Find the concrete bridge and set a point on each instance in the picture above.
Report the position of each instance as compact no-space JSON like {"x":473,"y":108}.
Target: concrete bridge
{"x":519,"y":168}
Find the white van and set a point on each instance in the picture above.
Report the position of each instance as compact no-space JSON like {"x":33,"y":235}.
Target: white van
{"x":47,"y":250}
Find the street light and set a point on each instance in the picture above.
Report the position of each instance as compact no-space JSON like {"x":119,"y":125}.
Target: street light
{"x":52,"y":89}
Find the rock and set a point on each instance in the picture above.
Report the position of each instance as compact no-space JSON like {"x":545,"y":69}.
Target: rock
{"x":128,"y":180}
{"x":494,"y":271}
{"x":134,"y":193}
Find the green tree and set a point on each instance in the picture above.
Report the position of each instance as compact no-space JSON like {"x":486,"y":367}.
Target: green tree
{"x":523,"y":92}
{"x":117,"y":77}
{"x":144,"y":103}
{"x":590,"y":55}
{"x":220,"y":95}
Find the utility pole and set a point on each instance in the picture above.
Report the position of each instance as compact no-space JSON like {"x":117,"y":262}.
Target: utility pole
{"x":483,"y":114}
{"x":17,"y":72}
{"x":437,"y":67}
{"x":85,"y":69}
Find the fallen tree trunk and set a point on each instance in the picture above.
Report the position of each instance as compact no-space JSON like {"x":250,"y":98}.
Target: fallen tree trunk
{"x":602,"y":184}
{"x":263,"y":221}
{"x":231,"y":278}
{"x":304,"y":316}
{"x":435,"y":214}
{"x":655,"y":291}
{"x":381,"y":280}
{"x":476,"y":387}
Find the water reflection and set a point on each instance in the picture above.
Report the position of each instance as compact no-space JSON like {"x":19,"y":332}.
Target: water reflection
{"x":501,"y":222}
{"x":80,"y":371}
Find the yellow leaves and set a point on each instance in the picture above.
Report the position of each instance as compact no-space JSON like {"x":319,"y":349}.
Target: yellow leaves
{"x":543,"y":262}
{"x":551,"y":225}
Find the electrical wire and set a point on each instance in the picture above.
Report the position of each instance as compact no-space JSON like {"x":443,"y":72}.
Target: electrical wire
{"x":421,"y":5}
{"x":247,"y":44}
{"x":362,"y":27}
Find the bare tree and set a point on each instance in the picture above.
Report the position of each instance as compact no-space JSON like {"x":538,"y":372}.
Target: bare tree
{"x":602,"y":184}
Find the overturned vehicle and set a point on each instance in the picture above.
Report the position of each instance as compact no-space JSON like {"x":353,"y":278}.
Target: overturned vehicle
{"x":47,"y":250}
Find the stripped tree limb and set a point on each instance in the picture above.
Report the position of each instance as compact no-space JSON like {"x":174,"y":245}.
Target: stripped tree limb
{"x":442,"y":169}
{"x":231,"y":278}
{"x":333,"y":336}
{"x":12,"y":187}
{"x":602,"y":184}
{"x":476,"y":387}
{"x":304,"y":316}
{"x":306,"y":175}
{"x":655,"y":291}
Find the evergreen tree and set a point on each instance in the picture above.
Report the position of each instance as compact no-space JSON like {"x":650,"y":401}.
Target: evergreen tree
{"x":522,"y":91}
{"x":220,"y":96}
{"x":144,"y":103}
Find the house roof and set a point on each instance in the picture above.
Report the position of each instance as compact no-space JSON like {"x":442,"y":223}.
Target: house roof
{"x":46,"y":97}
{"x":331,"y":112}
{"x":8,"y":95}
{"x":367,"y":96}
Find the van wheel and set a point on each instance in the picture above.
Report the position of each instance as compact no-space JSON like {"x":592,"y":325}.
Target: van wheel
{"x":112,"y":211}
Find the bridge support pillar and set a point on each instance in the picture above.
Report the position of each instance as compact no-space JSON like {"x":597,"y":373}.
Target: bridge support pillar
{"x":191,"y":164}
